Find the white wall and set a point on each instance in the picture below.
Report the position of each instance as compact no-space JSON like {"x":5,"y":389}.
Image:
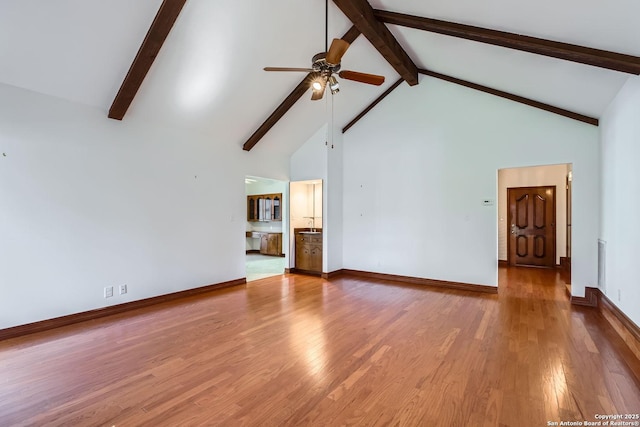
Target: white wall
{"x":620,"y":228}
{"x":418,"y":166}
{"x":87,"y":202}
{"x":553,"y":175}
{"x":309,"y":162}
{"x":333,"y":204}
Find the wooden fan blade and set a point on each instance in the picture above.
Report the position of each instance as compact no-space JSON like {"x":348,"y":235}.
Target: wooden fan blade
{"x":336,"y":50}
{"x":304,"y":70}
{"x":371,"y":79}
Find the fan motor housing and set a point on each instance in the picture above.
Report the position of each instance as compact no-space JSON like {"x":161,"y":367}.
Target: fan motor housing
{"x":321,"y":65}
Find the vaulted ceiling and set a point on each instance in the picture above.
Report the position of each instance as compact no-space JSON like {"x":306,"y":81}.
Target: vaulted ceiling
{"x":208,"y":75}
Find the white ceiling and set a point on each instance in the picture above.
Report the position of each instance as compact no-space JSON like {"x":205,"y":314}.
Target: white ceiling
{"x":209,"y":75}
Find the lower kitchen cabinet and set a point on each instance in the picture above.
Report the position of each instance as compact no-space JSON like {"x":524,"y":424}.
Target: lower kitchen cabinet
{"x":271,"y":244}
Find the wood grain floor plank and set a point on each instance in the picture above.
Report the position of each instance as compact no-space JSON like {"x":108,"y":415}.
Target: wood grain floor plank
{"x":295,"y":350}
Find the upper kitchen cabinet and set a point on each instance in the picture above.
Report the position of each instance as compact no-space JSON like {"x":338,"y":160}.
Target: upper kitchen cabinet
{"x":264,"y":207}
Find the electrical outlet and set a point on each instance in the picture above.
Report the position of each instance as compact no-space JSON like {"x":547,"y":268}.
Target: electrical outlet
{"x":108,"y":291}
{"x":123,"y":289}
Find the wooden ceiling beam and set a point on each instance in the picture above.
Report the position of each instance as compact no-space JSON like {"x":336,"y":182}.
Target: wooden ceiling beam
{"x":481,"y":88}
{"x":290,"y":100}
{"x":280,"y":111}
{"x":153,"y":41}
{"x":362,"y":15}
{"x":522,"y":100}
{"x":351,"y":35}
{"x":570,"y":52}
{"x":373,"y":104}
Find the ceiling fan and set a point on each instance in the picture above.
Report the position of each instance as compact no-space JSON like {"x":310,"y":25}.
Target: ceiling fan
{"x":325,"y":65}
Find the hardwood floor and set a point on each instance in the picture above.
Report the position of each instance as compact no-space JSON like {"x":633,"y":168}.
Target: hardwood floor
{"x":298,"y":350}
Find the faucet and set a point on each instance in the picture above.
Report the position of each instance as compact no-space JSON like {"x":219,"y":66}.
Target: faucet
{"x":312,"y":224}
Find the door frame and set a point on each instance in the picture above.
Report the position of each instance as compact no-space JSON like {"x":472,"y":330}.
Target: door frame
{"x":554,"y":222}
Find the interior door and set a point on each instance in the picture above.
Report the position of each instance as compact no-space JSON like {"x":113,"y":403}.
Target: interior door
{"x":532,"y":226}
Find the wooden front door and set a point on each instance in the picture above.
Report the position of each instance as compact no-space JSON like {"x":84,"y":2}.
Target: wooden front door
{"x":532,"y":226}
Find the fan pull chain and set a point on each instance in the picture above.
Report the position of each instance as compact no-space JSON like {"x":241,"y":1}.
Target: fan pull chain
{"x":333,"y":124}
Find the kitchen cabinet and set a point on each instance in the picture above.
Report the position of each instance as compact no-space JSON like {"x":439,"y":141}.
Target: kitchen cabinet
{"x":308,"y":251}
{"x":264,"y":207}
{"x":270,"y":243}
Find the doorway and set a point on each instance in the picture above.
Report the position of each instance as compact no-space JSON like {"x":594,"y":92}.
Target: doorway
{"x":266,"y":227}
{"x":532,"y":226}
{"x":535,"y":176}
{"x":305,"y":226}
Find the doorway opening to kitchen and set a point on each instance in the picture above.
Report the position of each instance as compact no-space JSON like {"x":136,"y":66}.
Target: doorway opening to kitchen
{"x":266,"y":227}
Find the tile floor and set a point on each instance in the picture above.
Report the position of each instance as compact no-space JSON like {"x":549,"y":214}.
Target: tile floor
{"x":261,"y":266}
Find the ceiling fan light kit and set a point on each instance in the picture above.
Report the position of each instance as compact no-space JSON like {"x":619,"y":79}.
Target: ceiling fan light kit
{"x":334,"y":86}
{"x":318,"y":86}
{"x":326,"y":64}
